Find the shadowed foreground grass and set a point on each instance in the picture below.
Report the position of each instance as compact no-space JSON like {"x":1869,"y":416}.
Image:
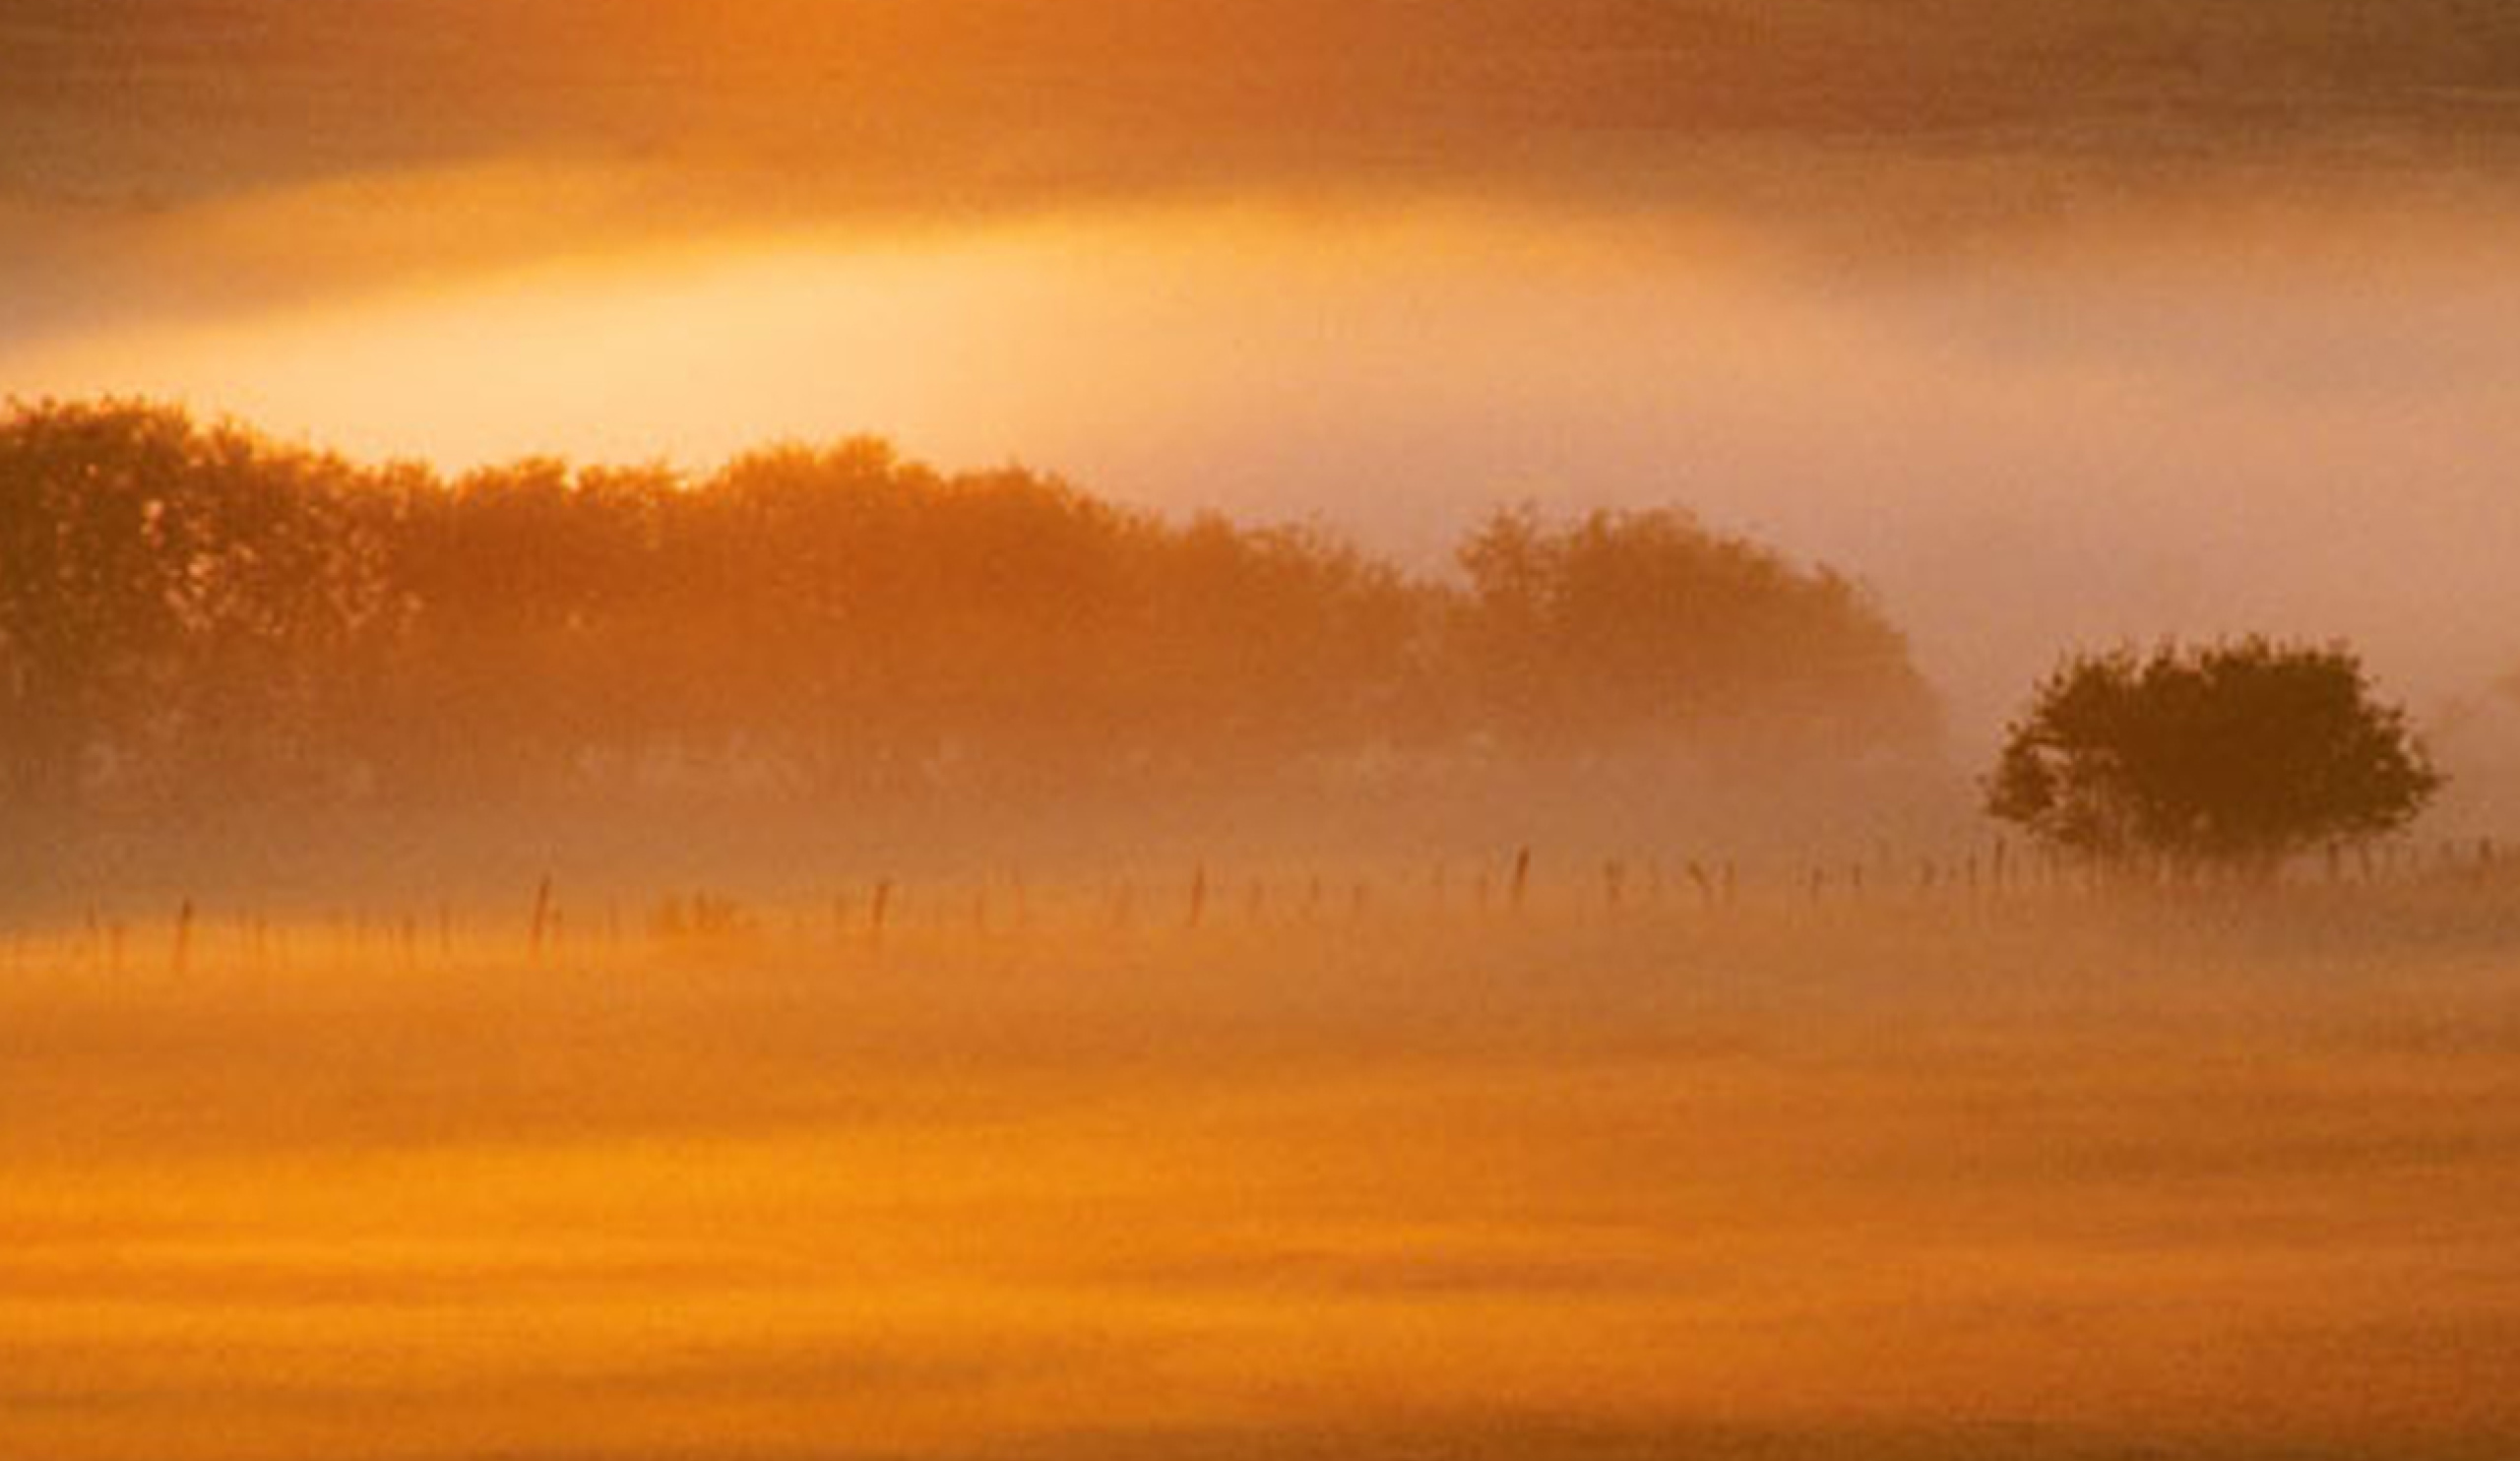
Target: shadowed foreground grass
{"x":1906,"y":1182}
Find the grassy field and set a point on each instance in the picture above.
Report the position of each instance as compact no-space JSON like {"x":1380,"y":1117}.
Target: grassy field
{"x":2040,"y":1176}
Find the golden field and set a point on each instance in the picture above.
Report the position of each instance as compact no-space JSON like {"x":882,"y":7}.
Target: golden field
{"x":1947,"y":1175}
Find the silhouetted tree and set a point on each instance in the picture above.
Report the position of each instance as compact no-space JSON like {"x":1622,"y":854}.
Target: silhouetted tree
{"x":2236,"y":753}
{"x":194,"y":615}
{"x":172,"y":600}
{"x":1628,"y":627}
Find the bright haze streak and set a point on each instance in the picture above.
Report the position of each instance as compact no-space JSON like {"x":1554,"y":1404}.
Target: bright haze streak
{"x":2194,"y":425}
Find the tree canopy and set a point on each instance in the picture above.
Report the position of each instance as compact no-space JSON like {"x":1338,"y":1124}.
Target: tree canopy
{"x":2239,"y":752}
{"x":191,"y":611}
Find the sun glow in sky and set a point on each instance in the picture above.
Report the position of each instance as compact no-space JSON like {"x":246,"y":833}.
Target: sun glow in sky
{"x":2115,"y":439}
{"x":2047,"y":340}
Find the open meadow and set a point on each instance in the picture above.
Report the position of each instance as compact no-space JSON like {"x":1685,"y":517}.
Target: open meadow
{"x":1072,"y":1171}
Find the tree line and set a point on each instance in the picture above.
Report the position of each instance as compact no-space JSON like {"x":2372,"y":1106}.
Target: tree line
{"x":194,"y":614}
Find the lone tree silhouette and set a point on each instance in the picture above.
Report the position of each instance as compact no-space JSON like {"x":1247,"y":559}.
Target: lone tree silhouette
{"x":2235,"y":755}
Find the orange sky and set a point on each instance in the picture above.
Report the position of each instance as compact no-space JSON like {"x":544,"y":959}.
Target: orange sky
{"x":2054,"y":321}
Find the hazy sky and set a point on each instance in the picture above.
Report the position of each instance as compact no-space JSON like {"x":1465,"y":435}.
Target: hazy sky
{"x":2057,"y":321}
